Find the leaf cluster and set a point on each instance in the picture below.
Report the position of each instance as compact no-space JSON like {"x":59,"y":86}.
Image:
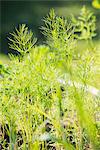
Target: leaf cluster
{"x":85,"y":24}
{"x":44,"y":100}
{"x":22,"y":40}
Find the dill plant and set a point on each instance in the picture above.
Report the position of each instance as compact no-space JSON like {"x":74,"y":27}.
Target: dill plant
{"x":38,"y":111}
{"x":22,"y":40}
{"x":85,"y":24}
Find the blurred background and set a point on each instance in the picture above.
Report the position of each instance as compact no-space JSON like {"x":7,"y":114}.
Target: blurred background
{"x":31,"y":13}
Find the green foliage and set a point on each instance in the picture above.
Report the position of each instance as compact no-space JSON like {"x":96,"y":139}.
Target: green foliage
{"x":38,"y":111}
{"x":3,"y":70}
{"x":85,"y":24}
{"x":22,"y":40}
{"x":59,"y":34}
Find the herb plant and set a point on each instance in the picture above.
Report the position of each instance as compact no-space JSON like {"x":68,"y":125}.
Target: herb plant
{"x":45,"y":98}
